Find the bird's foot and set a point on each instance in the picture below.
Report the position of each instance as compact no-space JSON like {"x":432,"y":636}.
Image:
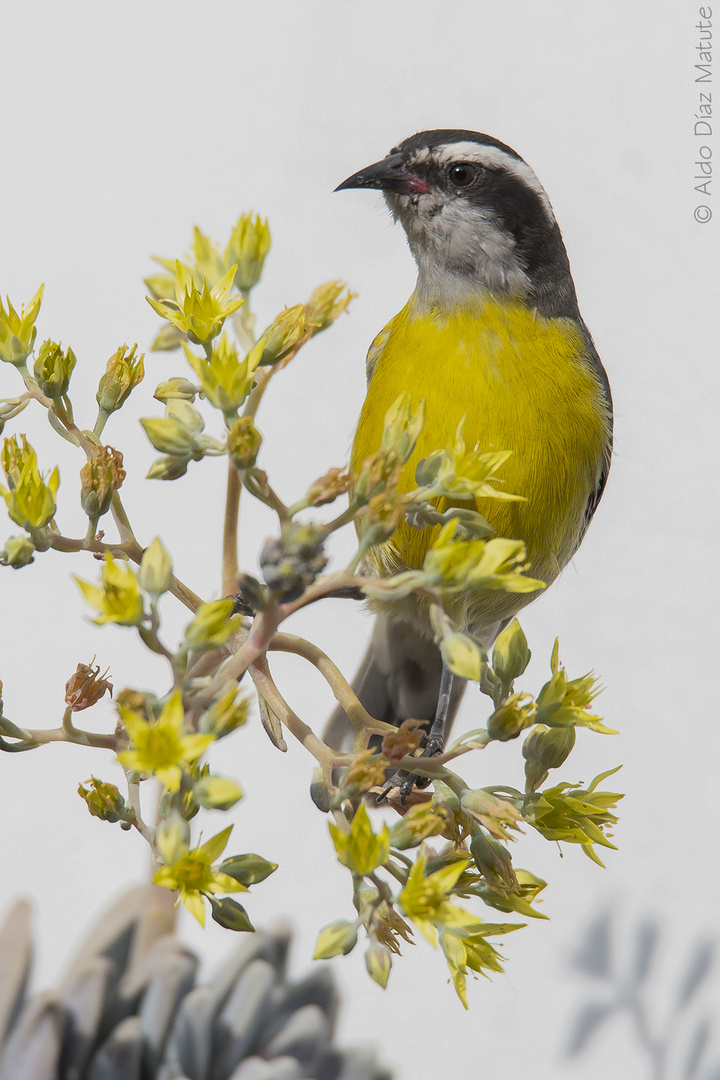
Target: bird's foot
{"x":432,"y":746}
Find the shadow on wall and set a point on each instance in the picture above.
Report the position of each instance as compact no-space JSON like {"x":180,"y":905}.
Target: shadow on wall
{"x":672,"y":1020}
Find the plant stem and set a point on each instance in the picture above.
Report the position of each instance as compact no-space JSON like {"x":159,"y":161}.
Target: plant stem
{"x":344,"y":693}
{"x":230,"y":568}
{"x":262,"y":678}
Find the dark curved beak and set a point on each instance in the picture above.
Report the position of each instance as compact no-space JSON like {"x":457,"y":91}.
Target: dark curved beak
{"x":390,"y":174}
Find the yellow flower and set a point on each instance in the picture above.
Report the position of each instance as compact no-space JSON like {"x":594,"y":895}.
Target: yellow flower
{"x":226,"y":380}
{"x":361,"y":849}
{"x":191,"y":872}
{"x":213,"y":624}
{"x":198,"y":313}
{"x":425,"y":898}
{"x":327,"y":302}
{"x":18,"y":332}
{"x":118,"y":598}
{"x":456,"y":563}
{"x":465,"y":949}
{"x":248,"y":248}
{"x":162,"y":748}
{"x":30,"y":498}
{"x":460,"y":473}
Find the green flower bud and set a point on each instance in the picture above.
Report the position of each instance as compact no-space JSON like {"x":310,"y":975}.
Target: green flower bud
{"x":462,"y":655}
{"x":176,"y":433}
{"x":402,"y":426}
{"x":123,"y":372}
{"x":337,"y":939}
{"x":212,"y":626}
{"x":19,"y":551}
{"x":544,"y":749}
{"x":226,"y":714}
{"x":248,"y":869}
{"x":104,"y":801}
{"x":511,"y":654}
{"x":155,"y":569}
{"x":509,"y":720}
{"x":494,"y":863}
{"x":216,"y":793}
{"x":229,"y":914}
{"x":176,"y":388}
{"x":248,"y":247}
{"x":285,"y":333}
{"x":378,"y":962}
{"x":53,"y":369}
{"x":244,"y":441}
{"x":168,"y":467}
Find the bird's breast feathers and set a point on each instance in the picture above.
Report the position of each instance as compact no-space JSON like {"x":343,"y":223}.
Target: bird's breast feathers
{"x":523,"y":383}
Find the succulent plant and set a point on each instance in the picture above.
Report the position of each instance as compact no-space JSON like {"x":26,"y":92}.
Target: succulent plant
{"x":129,"y":1007}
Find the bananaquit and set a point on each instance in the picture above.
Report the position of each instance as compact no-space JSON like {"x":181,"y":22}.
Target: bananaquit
{"x":492,"y":333}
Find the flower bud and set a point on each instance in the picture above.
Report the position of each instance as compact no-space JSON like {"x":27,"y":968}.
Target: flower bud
{"x":544,"y":749}
{"x":292,"y":563}
{"x":494,"y":863}
{"x":462,"y":655}
{"x":327,"y":488}
{"x":402,"y":426}
{"x":509,"y":720}
{"x":244,"y":441}
{"x":511,"y":654}
{"x":177,"y":432}
{"x":18,"y":551}
{"x":327,"y":303}
{"x":212,"y":626}
{"x":104,"y":801}
{"x":248,"y":247}
{"x":285,"y":333}
{"x":378,"y":962}
{"x":168,"y":467}
{"x":155,"y":569}
{"x":337,"y":939}
{"x":53,"y":369}
{"x":216,"y":792}
{"x":100,"y":476}
{"x":123,"y":372}
{"x":176,"y":388}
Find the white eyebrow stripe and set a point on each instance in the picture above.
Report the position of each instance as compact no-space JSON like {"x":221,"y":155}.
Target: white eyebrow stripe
{"x":492,"y":157}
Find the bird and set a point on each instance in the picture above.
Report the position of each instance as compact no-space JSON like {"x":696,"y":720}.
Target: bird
{"x":492,"y":337}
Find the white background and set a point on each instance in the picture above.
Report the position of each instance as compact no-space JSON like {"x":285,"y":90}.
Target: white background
{"x":124,"y":125}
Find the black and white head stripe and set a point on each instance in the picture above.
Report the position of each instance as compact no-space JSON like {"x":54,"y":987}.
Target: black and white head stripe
{"x":443,"y":146}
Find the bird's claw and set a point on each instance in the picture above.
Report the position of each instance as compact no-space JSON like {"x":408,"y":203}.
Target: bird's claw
{"x":433,"y":745}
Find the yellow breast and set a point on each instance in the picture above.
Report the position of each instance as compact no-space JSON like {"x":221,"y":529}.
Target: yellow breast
{"x":523,"y":384}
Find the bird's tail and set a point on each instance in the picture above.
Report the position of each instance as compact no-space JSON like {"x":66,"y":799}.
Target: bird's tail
{"x":398,"y":679}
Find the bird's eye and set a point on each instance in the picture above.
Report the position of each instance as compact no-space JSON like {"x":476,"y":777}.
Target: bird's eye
{"x":462,"y":175}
